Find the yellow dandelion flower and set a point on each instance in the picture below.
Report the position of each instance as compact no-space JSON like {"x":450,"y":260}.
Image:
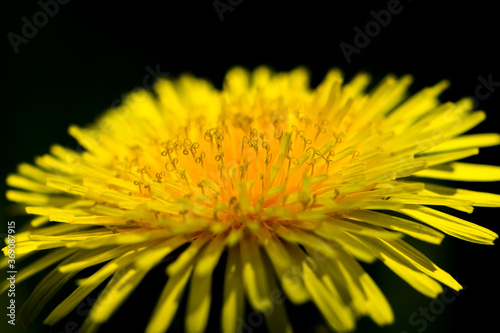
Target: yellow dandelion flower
{"x":295,"y":186}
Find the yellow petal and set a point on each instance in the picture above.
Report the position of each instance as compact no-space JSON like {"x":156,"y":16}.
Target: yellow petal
{"x":123,"y":282}
{"x":376,"y":304}
{"x":416,"y":279}
{"x":451,"y":225}
{"x":422,"y":263}
{"x":98,"y":258}
{"x":39,"y":265}
{"x":169,"y":300}
{"x":44,"y":291}
{"x":340,"y":319}
{"x":411,"y":228}
{"x":406,"y":261}
{"x":36,"y":199}
{"x":158,"y":250}
{"x":27,"y":184}
{"x":478,"y":199}
{"x":276,"y":317}
{"x":445,"y":157}
{"x":337,"y":238}
{"x":255,"y":278}
{"x":76,"y":297}
{"x":233,"y":301}
{"x":281,"y":262}
{"x":468,"y":141}
{"x":200,"y":296}
{"x":463,"y":172}
{"x":187,"y":255}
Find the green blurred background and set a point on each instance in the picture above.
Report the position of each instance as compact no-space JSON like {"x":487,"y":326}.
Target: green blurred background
{"x":84,"y":58}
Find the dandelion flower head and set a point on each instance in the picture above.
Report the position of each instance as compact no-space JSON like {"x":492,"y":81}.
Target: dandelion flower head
{"x":287,"y":186}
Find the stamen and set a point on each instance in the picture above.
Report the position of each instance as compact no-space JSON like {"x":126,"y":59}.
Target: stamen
{"x":311,"y":164}
{"x":306,"y":142}
{"x":320,"y":130}
{"x":199,"y":159}
{"x":201,"y":184}
{"x":173,"y":164}
{"x":279,"y":135}
{"x":139,"y":183}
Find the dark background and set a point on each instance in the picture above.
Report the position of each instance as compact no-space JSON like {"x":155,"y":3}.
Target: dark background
{"x":83,"y":59}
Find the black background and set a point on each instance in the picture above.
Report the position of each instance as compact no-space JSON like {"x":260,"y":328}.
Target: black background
{"x":85,"y":57}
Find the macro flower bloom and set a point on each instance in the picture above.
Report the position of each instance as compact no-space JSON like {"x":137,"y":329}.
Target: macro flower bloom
{"x":289,"y":187}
